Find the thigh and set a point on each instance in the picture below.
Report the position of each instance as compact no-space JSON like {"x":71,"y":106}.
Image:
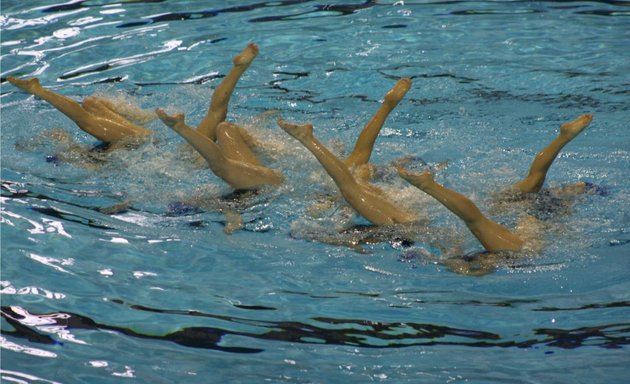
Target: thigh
{"x":103,"y":108}
{"x":233,"y":145}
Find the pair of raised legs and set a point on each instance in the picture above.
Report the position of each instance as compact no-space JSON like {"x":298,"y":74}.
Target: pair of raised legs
{"x":226,"y":146}
{"x":95,"y":115}
{"x":493,"y":236}
{"x":365,"y":198}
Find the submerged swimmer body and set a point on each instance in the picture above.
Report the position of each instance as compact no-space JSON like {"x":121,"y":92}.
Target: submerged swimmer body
{"x":493,"y":236}
{"x":66,"y":149}
{"x":229,"y":205}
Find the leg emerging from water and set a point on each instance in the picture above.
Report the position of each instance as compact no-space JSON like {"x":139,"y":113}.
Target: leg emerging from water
{"x":365,"y":143}
{"x":93,"y":117}
{"x":543,"y":160}
{"x":493,"y":236}
{"x":221,"y":96}
{"x":98,"y":106}
{"x":127,"y":110}
{"x":64,"y":104}
{"x":362,"y":198}
{"x":206,"y":147}
{"x":233,"y":144}
{"x":239,"y":173}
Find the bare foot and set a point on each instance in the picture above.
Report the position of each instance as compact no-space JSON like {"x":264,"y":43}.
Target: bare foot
{"x":393,"y":97}
{"x":171,"y":121}
{"x":573,"y":128}
{"x":420,"y":180}
{"x":29,"y":85}
{"x":299,"y":131}
{"x":247,"y":56}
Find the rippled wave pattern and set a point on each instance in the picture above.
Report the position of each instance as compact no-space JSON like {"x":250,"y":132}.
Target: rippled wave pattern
{"x":109,"y":273}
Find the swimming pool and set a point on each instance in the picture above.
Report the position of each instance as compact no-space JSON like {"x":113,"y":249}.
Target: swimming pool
{"x":158,"y":294}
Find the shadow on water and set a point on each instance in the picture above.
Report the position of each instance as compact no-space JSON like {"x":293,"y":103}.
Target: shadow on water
{"x":324,"y":330}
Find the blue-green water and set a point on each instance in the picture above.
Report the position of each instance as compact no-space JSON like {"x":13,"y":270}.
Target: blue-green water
{"x":152,"y":294}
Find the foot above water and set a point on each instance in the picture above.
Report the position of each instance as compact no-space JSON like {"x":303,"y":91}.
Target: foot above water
{"x":299,"y":131}
{"x":420,"y":180}
{"x":573,"y":128}
{"x":170,"y":121}
{"x":28,"y":85}
{"x":399,"y":90}
{"x":247,"y":56}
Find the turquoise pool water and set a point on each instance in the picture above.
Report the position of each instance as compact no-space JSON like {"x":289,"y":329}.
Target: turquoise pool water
{"x":159,"y":294}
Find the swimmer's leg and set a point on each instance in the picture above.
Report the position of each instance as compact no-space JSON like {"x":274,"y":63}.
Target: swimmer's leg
{"x":221,"y":96}
{"x":233,"y":144}
{"x":122,"y":111}
{"x":101,"y":107}
{"x":64,"y":104}
{"x":331,"y":163}
{"x":365,"y":143}
{"x":101,"y":127}
{"x":111,"y":124}
{"x":239,"y":174}
{"x":370,"y":205}
{"x":206,"y":147}
{"x":493,"y":236}
{"x":543,"y":160}
{"x":131,"y":112}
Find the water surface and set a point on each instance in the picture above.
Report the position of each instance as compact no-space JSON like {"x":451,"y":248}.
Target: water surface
{"x":155,"y":293}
